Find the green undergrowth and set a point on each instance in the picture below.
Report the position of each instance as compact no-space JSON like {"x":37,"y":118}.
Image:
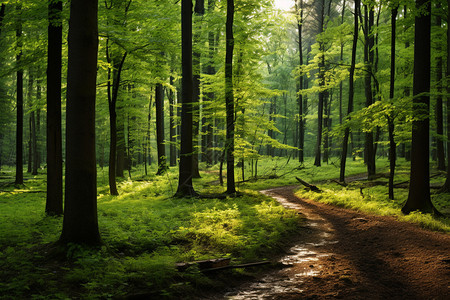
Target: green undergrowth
{"x":372,"y":197}
{"x":145,"y":231}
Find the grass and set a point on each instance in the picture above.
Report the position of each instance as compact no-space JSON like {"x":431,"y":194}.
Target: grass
{"x":145,"y":231}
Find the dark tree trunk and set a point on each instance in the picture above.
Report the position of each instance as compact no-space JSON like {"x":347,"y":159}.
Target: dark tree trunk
{"x":341,"y":58}
{"x":172,"y":129}
{"x":80,"y":223}
{"x":369,"y":152}
{"x":350,"y":91}
{"x":419,"y":186}
{"x":440,"y":153}
{"x":160,"y":143}
{"x":31,"y":121}
{"x":113,"y":92}
{"x":229,"y":98}
{"x":321,"y":76}
{"x":185,"y":187}
{"x":392,"y":145}
{"x":326,"y":121}
{"x":54,"y":203}
{"x":19,"y":104}
{"x":301,"y":128}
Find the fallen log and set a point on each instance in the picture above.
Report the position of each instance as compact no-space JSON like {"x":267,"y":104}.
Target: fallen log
{"x":312,"y":187}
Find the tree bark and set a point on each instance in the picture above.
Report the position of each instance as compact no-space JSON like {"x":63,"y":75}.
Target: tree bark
{"x":19,"y":97}
{"x":301,"y":127}
{"x":160,"y":143}
{"x":350,"y":91}
{"x":419,"y":187}
{"x":54,"y":203}
{"x":392,"y":145}
{"x":229,"y":98}
{"x":80,"y":223}
{"x":172,"y":129}
{"x":321,"y":75}
{"x":369,"y":152}
{"x":440,"y":153}
{"x":185,"y":187}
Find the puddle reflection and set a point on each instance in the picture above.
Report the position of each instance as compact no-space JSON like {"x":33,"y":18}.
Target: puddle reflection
{"x":299,"y":260}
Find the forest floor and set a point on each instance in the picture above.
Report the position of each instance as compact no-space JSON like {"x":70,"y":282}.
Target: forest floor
{"x":344,"y":254}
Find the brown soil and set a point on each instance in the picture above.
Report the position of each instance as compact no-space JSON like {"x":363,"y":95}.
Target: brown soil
{"x":350,"y":255}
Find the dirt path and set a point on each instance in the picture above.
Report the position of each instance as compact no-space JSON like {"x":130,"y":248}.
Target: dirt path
{"x":349,"y":255}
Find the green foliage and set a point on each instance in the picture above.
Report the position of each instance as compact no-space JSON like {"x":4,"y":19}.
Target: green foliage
{"x":145,"y":232}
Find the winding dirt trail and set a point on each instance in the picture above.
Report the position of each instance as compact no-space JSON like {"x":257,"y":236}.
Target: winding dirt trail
{"x":343,"y":254}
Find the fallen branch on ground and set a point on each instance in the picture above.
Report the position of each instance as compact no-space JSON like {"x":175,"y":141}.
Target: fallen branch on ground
{"x":312,"y":187}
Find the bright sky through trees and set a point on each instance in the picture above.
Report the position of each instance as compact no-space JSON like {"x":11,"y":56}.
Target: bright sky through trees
{"x":284,"y":4}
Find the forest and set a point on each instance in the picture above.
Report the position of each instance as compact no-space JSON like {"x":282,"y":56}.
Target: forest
{"x":176,"y":149}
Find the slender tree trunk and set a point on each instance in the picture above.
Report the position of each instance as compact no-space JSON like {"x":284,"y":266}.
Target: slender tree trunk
{"x":80,"y":223}
{"x":172,"y":129}
{"x":19,"y":104}
{"x":31,"y":121}
{"x":350,"y":91}
{"x":160,"y":143}
{"x":392,"y":145}
{"x":54,"y":203}
{"x":341,"y":58}
{"x":185,"y":187}
{"x":301,"y":128}
{"x":419,"y":186}
{"x":440,"y":153}
{"x":229,"y":98}
{"x":321,"y":75}
{"x":369,"y":156}
{"x":113,"y":91}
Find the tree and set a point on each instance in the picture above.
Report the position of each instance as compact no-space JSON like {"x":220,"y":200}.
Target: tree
{"x":301,"y":123}
{"x":419,"y":186}
{"x":229,"y":100}
{"x":350,"y":92}
{"x":369,"y":62}
{"x":322,"y":91}
{"x":80,"y":224}
{"x":160,"y":143}
{"x":54,"y":203}
{"x":185,"y":187}
{"x":439,"y":108}
{"x":19,"y":97}
{"x":392,"y":145}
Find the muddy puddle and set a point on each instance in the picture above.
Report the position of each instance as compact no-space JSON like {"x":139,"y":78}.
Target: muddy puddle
{"x":301,"y":261}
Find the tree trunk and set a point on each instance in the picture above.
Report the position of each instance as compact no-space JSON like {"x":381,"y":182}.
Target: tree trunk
{"x":392,"y":145}
{"x":419,"y":186}
{"x":54,"y":203}
{"x":369,"y":156}
{"x":80,"y":223}
{"x":185,"y":187}
{"x":321,"y":75}
{"x":229,"y":98}
{"x":172,"y":129}
{"x":160,"y":143}
{"x":440,"y":153}
{"x":19,"y":104}
{"x":350,"y":91}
